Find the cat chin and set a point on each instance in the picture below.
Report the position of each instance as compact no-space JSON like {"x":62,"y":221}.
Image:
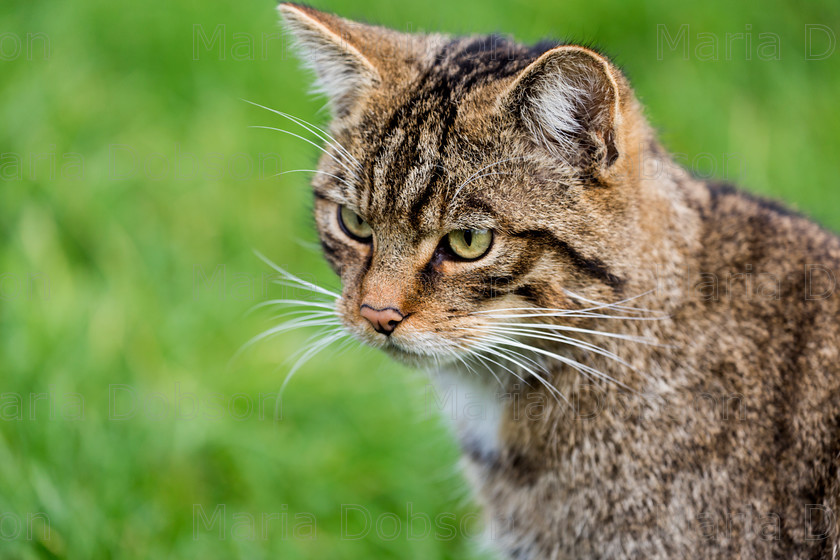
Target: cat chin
{"x":418,"y":359}
{"x":409,"y":357}
{"x":417,"y":350}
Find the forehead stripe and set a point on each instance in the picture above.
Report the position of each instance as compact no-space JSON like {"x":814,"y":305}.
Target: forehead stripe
{"x":460,"y":65}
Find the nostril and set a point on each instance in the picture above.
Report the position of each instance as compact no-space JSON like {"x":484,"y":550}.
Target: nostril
{"x":382,"y":320}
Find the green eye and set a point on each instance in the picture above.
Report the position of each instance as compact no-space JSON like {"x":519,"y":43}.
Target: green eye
{"x":353,"y":225}
{"x":469,"y":244}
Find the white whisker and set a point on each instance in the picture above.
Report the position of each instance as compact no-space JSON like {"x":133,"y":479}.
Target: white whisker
{"x":547,"y":326}
{"x":588,"y":311}
{"x":298,"y":281}
{"x":307,"y":314}
{"x":616,"y":305}
{"x":472,"y":177}
{"x":477,"y":178}
{"x":570,"y":341}
{"x":294,"y":302}
{"x":324,"y":298}
{"x":322,"y":134}
{"x":480,"y":356}
{"x":309,"y":352}
{"x":313,"y":349}
{"x":308,"y":141}
{"x":464,"y":361}
{"x":584,"y":369}
{"x":571,"y":314}
{"x":486,"y":344}
{"x":471,"y":354}
{"x":291,"y":325}
{"x":317,"y":172}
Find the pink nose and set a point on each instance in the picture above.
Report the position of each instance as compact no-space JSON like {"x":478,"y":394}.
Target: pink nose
{"x":383,"y":320}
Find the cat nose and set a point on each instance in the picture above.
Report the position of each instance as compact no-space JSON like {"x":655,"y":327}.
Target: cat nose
{"x":383,"y":320}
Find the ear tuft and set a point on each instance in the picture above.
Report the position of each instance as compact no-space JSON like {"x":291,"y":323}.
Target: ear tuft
{"x":569,"y":99}
{"x":325,"y":45}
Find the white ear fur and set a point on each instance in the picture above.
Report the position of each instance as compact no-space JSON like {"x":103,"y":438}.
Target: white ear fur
{"x":555,"y":106}
{"x":569,"y":101}
{"x":342,"y":72}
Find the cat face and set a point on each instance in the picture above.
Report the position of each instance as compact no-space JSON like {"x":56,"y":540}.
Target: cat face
{"x":464,"y":181}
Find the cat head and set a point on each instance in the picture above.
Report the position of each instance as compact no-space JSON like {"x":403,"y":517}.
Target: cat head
{"x":465,"y":179}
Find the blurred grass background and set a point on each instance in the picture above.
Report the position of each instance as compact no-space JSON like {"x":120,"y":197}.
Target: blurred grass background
{"x":107,"y":268}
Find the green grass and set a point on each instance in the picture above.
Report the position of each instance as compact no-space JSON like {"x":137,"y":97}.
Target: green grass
{"x":103,"y":270}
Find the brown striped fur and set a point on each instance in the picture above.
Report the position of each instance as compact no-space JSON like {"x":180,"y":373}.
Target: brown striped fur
{"x":660,"y":466}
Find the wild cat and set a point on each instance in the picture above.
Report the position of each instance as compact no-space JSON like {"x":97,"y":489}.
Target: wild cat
{"x":657,"y":355}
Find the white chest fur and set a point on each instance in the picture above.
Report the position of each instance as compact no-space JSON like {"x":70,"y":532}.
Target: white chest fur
{"x":474,"y":405}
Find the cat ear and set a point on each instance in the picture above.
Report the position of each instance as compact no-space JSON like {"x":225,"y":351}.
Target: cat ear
{"x":335,"y":49}
{"x":570,"y":100}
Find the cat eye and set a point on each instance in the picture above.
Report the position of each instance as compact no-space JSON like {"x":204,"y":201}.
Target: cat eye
{"x":353,"y":225}
{"x":469,"y":244}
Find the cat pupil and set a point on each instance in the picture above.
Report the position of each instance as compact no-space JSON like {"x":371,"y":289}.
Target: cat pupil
{"x":468,"y":237}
